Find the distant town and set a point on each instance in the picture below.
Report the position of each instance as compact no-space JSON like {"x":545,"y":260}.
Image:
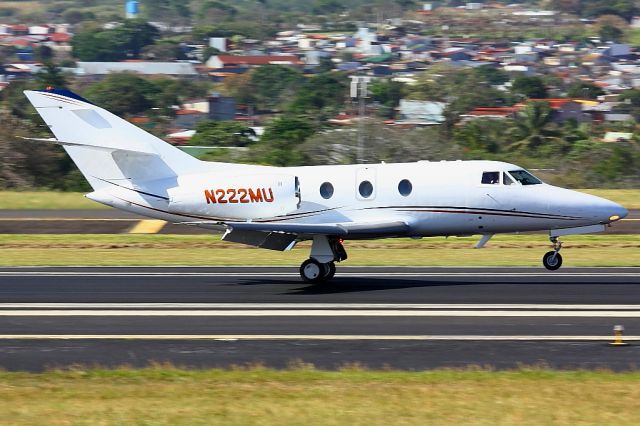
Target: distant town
{"x":458,"y":74}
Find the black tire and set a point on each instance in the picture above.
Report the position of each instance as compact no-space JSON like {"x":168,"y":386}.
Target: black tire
{"x":330,"y":270}
{"x":312,"y":271}
{"x":550,"y":263}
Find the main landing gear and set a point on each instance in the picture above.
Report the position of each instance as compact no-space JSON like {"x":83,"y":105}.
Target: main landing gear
{"x":320,"y":266}
{"x":552,"y":259}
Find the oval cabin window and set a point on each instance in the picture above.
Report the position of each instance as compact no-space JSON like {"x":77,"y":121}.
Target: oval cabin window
{"x":405,"y":187}
{"x":365,"y":189}
{"x":326,"y":190}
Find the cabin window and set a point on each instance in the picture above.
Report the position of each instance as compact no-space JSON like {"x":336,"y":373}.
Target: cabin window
{"x":491,"y":178}
{"x":524,"y":177}
{"x":365,"y":189}
{"x":506,"y":180}
{"x":326,"y":190}
{"x":405,"y":187}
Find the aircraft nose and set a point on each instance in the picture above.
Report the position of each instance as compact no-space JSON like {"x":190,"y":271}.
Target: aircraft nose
{"x":616,"y":212}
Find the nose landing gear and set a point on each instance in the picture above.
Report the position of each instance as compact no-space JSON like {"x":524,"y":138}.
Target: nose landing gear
{"x":552,"y":259}
{"x":320,"y":266}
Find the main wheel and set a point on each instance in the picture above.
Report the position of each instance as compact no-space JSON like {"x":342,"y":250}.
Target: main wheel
{"x":313,"y":271}
{"x":330,"y":270}
{"x":552,"y":260}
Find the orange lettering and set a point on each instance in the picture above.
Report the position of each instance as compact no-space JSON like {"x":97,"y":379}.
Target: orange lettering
{"x":243,"y":195}
{"x":256,"y":197}
{"x":232,"y":195}
{"x":209,"y":196}
{"x":220,"y":193}
{"x":267,"y":199}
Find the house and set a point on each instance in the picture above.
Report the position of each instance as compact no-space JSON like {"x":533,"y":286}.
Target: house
{"x":421,"y":112}
{"x":183,"y":69}
{"x":617,"y":137}
{"x":498,"y":112}
{"x":219,"y":62}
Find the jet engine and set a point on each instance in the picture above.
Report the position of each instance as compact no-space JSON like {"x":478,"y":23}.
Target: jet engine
{"x":240,"y":197}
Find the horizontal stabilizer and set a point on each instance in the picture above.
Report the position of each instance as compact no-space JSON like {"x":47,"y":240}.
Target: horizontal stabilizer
{"x":84,"y":145}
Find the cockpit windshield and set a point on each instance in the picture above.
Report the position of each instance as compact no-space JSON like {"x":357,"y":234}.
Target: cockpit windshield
{"x":524,"y":177}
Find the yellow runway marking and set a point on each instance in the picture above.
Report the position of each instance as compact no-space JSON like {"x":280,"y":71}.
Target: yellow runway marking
{"x":148,"y":227}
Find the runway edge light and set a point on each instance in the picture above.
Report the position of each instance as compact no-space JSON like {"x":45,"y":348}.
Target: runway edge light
{"x":617,"y":336}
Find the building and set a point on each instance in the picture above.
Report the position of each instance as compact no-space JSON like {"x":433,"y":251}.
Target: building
{"x":422,"y":113}
{"x":182,"y":69}
{"x":219,"y":62}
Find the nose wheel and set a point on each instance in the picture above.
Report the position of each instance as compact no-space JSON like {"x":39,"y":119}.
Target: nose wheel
{"x":552,"y":260}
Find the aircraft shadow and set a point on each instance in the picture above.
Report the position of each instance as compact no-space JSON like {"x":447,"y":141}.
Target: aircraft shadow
{"x":351,"y":285}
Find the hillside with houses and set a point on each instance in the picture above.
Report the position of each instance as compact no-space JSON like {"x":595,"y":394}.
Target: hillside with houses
{"x":554,"y":89}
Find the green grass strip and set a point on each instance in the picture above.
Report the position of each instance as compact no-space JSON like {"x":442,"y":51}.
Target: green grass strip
{"x":205,"y":250}
{"x":351,"y":396}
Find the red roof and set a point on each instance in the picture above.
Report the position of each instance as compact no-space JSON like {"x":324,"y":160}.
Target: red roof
{"x":554,"y":103}
{"x":258,"y":60}
{"x":188,"y":112}
{"x":60,"y":37}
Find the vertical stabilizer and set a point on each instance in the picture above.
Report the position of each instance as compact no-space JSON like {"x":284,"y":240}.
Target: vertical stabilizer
{"x":105,"y":147}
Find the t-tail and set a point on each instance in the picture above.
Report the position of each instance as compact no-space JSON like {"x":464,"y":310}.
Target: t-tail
{"x":109,"y":151}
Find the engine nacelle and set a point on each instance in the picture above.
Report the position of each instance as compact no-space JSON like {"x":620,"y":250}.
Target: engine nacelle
{"x":235,"y":197}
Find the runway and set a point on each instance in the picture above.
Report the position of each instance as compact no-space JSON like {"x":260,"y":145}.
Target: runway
{"x":111,"y":221}
{"x":406,"y":318}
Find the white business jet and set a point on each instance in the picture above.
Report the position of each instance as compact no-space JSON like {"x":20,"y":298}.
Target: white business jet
{"x":276,"y":207}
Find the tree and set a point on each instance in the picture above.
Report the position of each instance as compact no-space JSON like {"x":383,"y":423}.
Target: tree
{"x":126,"y":40}
{"x":529,"y":87}
{"x":240,"y":87}
{"x":323,"y":7}
{"x":533,"y":126}
{"x":167,"y":10}
{"x":274,"y":85}
{"x":491,"y":74}
{"x":326,"y":65}
{"x":222,"y":133}
{"x":280,"y":144}
{"x":164,"y":50}
{"x":388,"y":93}
{"x":122,"y":94}
{"x":321,"y":93}
{"x":482,"y":136}
{"x":583,"y":90}
{"x":44,"y":53}
{"x":608,"y":32}
{"x":461,"y":89}
{"x":51,"y":75}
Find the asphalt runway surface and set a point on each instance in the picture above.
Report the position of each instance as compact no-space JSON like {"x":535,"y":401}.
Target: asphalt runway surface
{"x":404,"y":318}
{"x":111,"y":221}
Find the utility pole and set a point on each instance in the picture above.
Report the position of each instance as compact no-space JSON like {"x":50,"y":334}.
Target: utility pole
{"x":359,"y":93}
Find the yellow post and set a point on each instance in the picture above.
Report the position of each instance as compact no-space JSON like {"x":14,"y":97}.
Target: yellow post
{"x":617,"y":336}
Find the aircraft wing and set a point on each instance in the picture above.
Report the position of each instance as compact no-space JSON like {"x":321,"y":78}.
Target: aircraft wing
{"x":282,"y":236}
{"x":391,"y":228}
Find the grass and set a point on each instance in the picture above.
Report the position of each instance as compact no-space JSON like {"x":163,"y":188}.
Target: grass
{"x":44,"y":200}
{"x":165,"y":395}
{"x":205,"y":250}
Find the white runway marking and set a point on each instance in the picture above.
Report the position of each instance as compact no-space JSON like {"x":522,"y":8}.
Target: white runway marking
{"x":304,"y":306}
{"x":317,"y":313}
{"x":232,"y":337}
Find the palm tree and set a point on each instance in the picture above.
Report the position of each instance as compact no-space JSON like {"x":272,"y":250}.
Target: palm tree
{"x":534,"y":126}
